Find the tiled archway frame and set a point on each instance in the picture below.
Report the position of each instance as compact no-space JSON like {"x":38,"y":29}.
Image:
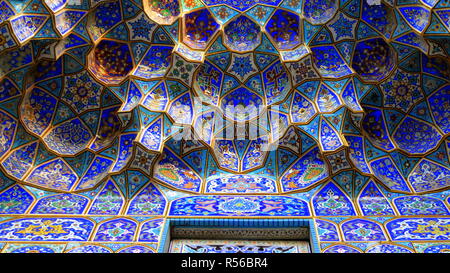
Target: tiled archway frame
{"x":238,"y":223}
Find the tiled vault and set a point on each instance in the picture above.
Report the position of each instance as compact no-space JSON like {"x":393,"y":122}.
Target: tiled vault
{"x":117,"y":117}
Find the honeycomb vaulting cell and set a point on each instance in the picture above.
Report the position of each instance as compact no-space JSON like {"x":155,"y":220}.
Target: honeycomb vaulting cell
{"x":380,"y":16}
{"x":320,"y":11}
{"x":284,"y":29}
{"x":122,"y":118}
{"x":110,"y":61}
{"x":163,"y":12}
{"x":199,"y":28}
{"x":373,"y":59}
{"x":242,"y":34}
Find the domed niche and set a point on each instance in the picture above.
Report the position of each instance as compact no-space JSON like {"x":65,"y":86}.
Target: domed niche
{"x":110,"y":61}
{"x":320,"y":11}
{"x":199,"y":27}
{"x":373,"y":59}
{"x":379,"y":16}
{"x":163,"y":12}
{"x":242,"y":34}
{"x":65,"y":111}
{"x":103,"y":18}
{"x":283,"y":29}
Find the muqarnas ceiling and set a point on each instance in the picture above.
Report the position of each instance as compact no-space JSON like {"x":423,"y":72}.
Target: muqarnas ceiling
{"x":218,"y":97}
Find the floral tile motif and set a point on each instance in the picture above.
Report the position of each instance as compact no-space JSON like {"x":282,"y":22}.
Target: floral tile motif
{"x":239,"y":206}
{"x":420,"y":205}
{"x":362,"y":230}
{"x":46,"y":229}
{"x":116,"y":230}
{"x":388,"y":248}
{"x":331,"y":200}
{"x":60,"y":204}
{"x":423,"y":229}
